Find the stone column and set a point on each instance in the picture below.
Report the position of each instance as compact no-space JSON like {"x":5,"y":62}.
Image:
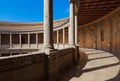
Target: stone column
{"x":37,"y":39}
{"x":28,"y":40}
{"x":76,"y":29}
{"x":63,"y":37}
{"x":71,"y":27}
{"x":20,"y":43}
{"x":10,"y":40}
{"x":48,"y":25}
{"x":57,"y":38}
{"x":0,"y":40}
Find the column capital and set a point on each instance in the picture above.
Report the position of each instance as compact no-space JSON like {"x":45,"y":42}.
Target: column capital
{"x":76,"y":13}
{"x":71,"y":1}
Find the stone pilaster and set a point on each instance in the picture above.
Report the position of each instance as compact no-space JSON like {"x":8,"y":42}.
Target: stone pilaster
{"x":48,"y":25}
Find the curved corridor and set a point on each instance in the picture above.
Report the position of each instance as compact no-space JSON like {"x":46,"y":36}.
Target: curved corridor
{"x":101,"y":66}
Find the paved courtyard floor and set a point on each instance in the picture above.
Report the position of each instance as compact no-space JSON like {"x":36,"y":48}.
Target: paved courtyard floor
{"x":94,"y":65}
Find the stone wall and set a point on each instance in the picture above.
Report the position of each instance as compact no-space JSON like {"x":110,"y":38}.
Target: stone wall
{"x":65,"y":59}
{"x":59,"y":62}
{"x":102,"y":34}
{"x":22,"y":68}
{"x":36,"y":66}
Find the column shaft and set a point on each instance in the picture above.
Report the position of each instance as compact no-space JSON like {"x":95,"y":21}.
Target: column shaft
{"x":20,"y":43}
{"x":63,"y":37}
{"x":76,"y":30}
{"x":0,"y":40}
{"x":37,"y":40}
{"x":48,"y":24}
{"x":57,"y":38}
{"x":71,"y":28}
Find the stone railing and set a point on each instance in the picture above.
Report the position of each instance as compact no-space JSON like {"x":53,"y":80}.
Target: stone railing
{"x":36,"y":66}
{"x":16,"y":49}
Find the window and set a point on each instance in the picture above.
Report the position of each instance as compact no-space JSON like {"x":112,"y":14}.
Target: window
{"x":102,"y":35}
{"x":23,"y":40}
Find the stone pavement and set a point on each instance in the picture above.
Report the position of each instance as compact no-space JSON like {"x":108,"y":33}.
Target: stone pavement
{"x":98,"y":66}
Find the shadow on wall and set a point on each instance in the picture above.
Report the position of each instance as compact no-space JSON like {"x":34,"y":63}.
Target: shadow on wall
{"x":76,"y":71}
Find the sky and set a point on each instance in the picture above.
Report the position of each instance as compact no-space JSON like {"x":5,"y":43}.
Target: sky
{"x":31,"y":10}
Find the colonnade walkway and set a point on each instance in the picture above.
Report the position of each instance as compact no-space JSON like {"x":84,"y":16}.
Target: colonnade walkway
{"x":94,"y":65}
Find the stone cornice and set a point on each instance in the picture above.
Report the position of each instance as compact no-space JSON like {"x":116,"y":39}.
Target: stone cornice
{"x":56,"y":27}
{"x":27,"y":24}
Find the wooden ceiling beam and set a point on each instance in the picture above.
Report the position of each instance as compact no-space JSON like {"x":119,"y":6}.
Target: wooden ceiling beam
{"x":90,"y":10}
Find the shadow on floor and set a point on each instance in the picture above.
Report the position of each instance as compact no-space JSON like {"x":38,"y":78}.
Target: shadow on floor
{"x":117,"y":78}
{"x":100,"y":58}
{"x":100,"y":67}
{"x":77,"y":70}
{"x":95,"y":53}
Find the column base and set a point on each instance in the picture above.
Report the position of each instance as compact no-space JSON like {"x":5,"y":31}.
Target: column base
{"x":48,"y":49}
{"x":72,"y":45}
